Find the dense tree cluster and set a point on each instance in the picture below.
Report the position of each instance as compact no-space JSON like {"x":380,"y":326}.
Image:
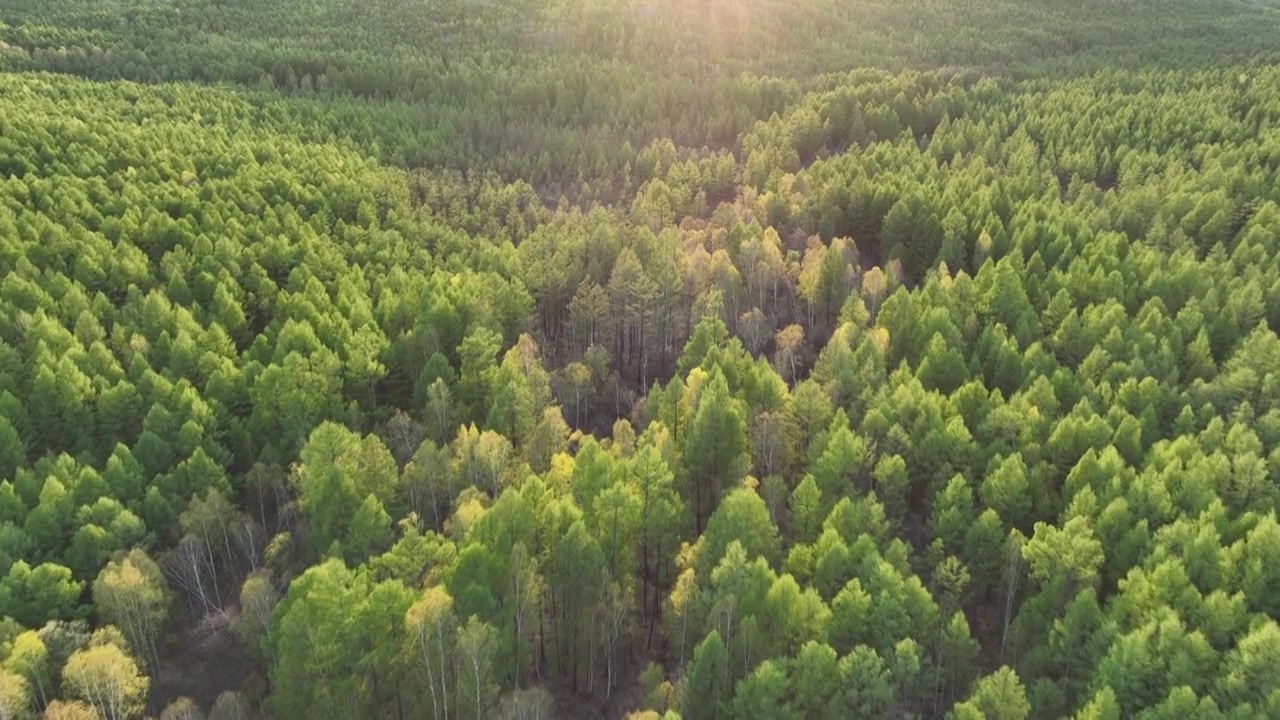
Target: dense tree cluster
{"x":559,"y":92}
{"x":604,"y":358}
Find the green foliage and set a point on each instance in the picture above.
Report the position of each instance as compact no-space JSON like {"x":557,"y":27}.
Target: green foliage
{"x":892,"y":359}
{"x":998,"y":696}
{"x":742,"y":518}
{"x":351,"y":621}
{"x":33,"y":596}
{"x":715,"y":454}
{"x":706,"y":686}
{"x":340,"y":471}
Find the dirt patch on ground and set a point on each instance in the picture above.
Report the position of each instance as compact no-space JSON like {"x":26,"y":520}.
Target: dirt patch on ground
{"x":202,"y":663}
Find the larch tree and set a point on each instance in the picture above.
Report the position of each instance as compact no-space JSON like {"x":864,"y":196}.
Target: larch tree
{"x":998,"y":696}
{"x":707,"y":689}
{"x":715,"y":449}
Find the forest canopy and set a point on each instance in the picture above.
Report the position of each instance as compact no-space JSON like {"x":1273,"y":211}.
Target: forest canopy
{"x":726,"y":359}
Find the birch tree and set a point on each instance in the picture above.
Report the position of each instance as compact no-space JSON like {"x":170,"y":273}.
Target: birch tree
{"x":109,"y":680}
{"x":131,"y":594}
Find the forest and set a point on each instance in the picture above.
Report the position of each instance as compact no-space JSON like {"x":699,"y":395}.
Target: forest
{"x":643,"y":359}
